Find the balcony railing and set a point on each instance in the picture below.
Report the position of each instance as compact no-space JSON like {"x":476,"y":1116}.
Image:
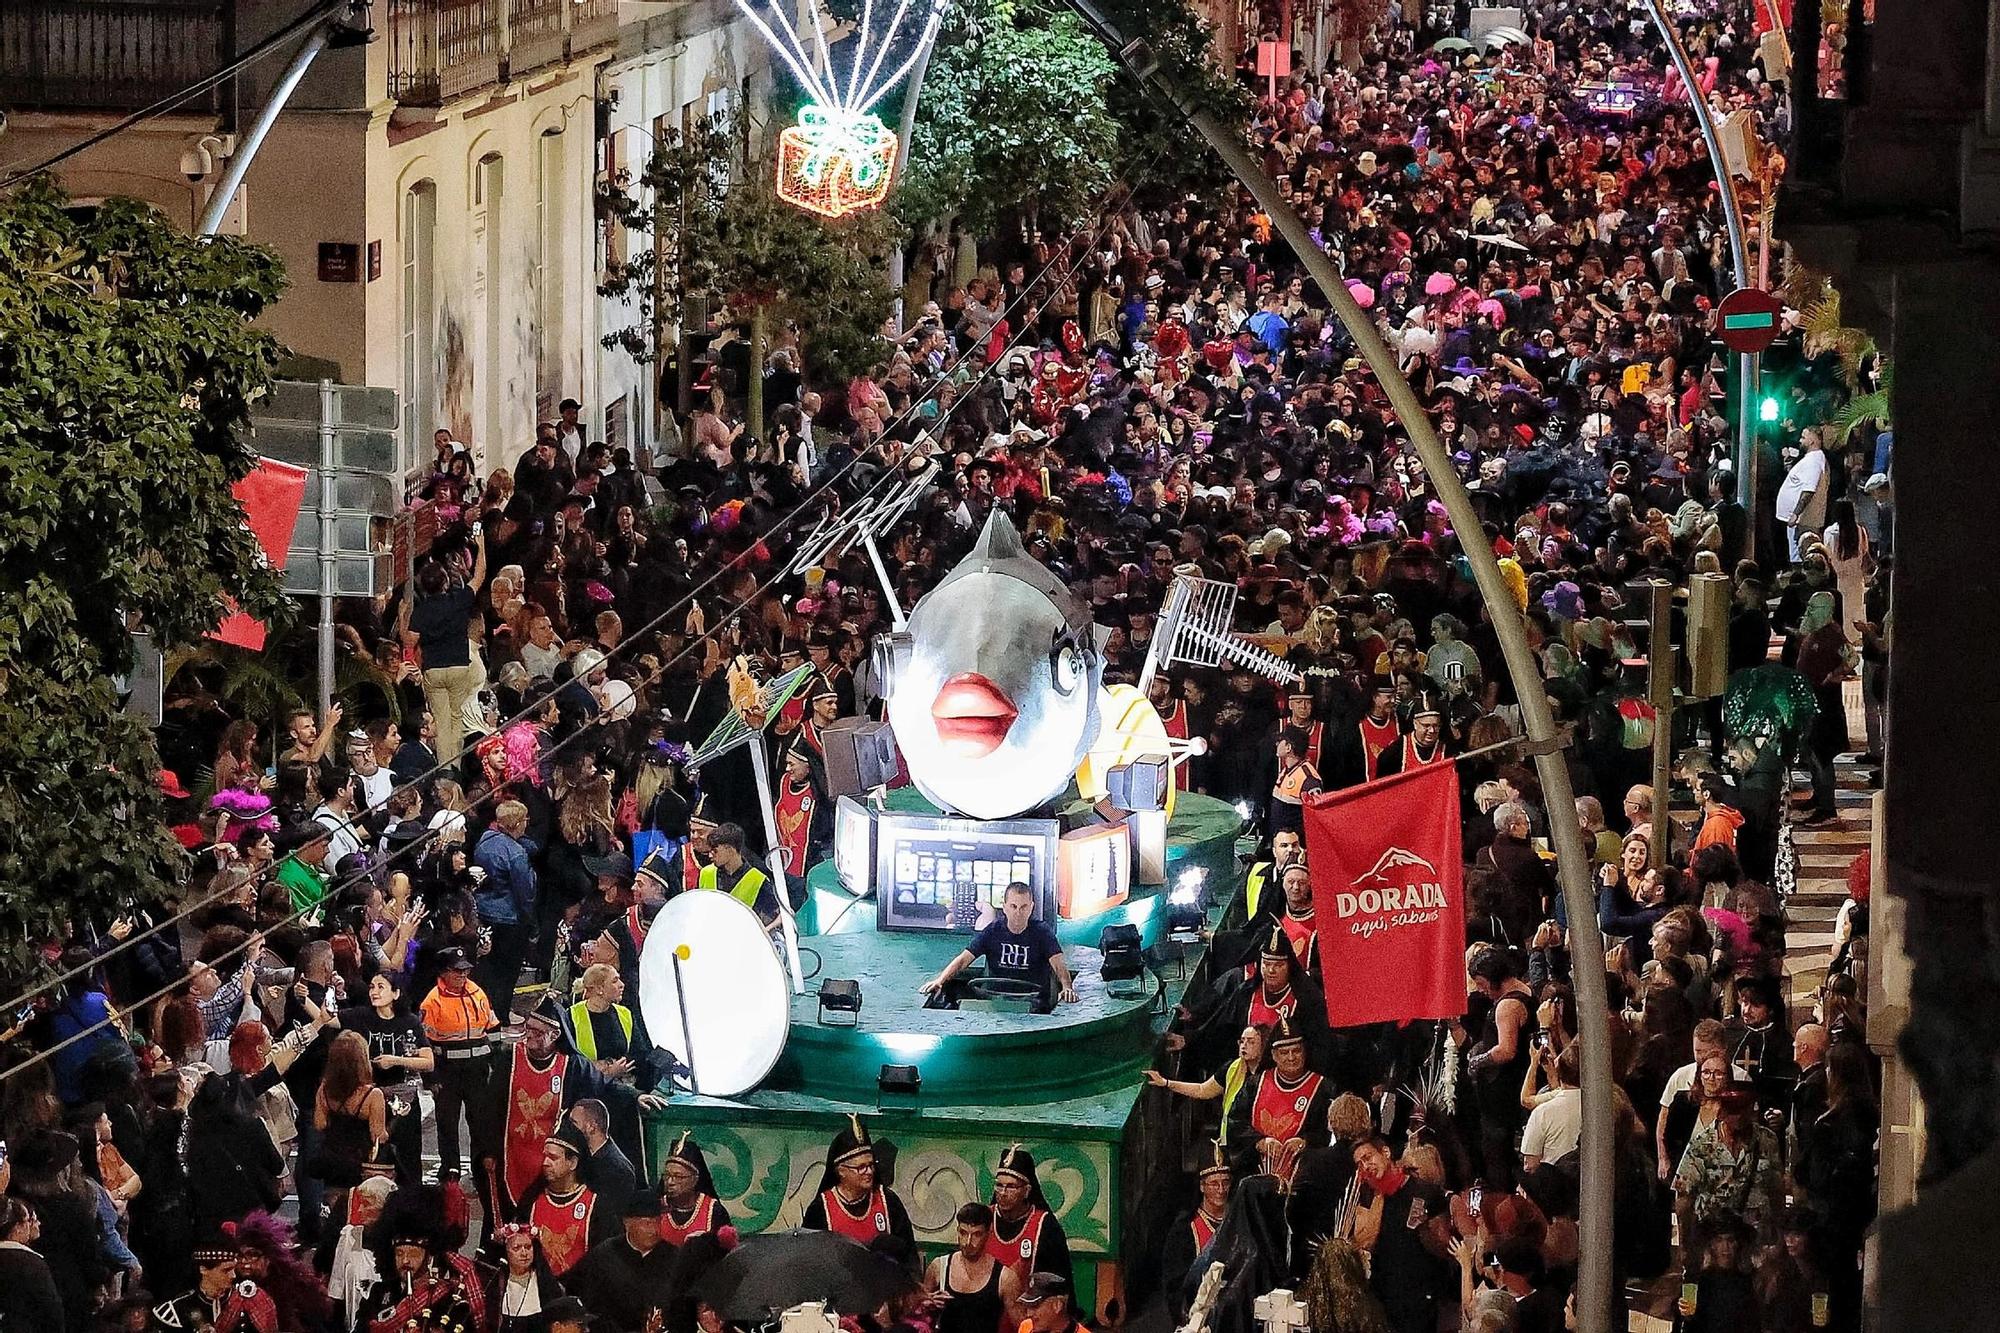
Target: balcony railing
{"x":440,"y":49}
{"x":113,"y":55}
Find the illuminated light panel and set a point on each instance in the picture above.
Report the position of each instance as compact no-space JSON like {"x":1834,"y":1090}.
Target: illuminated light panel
{"x":834,"y":163}
{"x":839,"y":158}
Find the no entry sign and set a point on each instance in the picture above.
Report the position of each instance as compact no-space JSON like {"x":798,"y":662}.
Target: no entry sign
{"x":1747,"y":319}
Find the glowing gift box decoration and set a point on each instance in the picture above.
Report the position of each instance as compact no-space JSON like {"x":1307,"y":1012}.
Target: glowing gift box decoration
{"x":835,"y":162}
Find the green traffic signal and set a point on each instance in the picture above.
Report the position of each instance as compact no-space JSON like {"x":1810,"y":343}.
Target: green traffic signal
{"x":1767,"y":408}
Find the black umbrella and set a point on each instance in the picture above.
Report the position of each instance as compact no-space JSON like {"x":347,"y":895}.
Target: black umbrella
{"x":771,"y":1273}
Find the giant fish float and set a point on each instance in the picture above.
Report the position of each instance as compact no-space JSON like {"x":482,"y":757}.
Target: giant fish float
{"x":993,"y":696}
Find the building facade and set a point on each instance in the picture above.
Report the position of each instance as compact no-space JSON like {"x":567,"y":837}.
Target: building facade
{"x":431,"y":191}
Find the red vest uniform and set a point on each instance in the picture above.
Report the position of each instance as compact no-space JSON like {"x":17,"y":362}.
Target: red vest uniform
{"x":1018,"y":1253}
{"x":814,"y":739}
{"x":701,"y":1221}
{"x":1411,"y":761}
{"x":1280,"y":1113}
{"x":1377,"y":737}
{"x":563,"y":1226}
{"x":1302,"y":934}
{"x":872,"y":1222}
{"x":534,"y":1104}
{"x":1203,"y":1229}
{"x":636,"y":926}
{"x":794,"y":813}
{"x":1266,"y":1013}
{"x":690,"y":867}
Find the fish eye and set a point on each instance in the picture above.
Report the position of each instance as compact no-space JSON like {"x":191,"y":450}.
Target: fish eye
{"x":1066,"y":666}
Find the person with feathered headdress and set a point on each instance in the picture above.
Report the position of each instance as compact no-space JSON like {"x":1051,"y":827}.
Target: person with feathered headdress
{"x":267,"y":1254}
{"x":1336,"y":1291}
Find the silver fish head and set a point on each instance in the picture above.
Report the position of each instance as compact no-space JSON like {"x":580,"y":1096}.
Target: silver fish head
{"x":997,"y":701}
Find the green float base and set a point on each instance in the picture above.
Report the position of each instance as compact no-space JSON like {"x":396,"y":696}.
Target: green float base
{"x":1064,"y":1085}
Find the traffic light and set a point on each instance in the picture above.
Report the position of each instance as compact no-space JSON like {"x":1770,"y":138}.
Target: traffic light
{"x":1767,"y":408}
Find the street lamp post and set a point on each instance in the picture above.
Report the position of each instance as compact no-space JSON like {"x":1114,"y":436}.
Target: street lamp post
{"x":1543,"y":741}
{"x":1747,"y":365}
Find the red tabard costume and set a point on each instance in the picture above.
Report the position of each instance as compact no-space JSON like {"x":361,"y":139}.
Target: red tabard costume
{"x":1204,"y":1228}
{"x":534,"y":1105}
{"x":1377,"y":737}
{"x":871,"y":1223}
{"x":1018,"y":1253}
{"x":563,"y":1225}
{"x":701,"y":1221}
{"x":794,"y":813}
{"x":814,"y":739}
{"x":636,"y":926}
{"x":1176,"y":723}
{"x":690,"y":867}
{"x":1412,"y":760}
{"x":1265,"y":1012}
{"x":1302,"y":932}
{"x":1280,"y":1113}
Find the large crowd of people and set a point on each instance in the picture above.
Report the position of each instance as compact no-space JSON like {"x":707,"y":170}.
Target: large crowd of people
{"x":1161,"y":394}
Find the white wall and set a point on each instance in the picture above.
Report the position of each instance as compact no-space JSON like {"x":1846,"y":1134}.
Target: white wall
{"x":695,"y":54}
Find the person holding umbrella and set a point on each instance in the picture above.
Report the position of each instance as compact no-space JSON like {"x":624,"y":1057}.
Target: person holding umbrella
{"x":1026,"y":1235}
{"x":850,"y":1202}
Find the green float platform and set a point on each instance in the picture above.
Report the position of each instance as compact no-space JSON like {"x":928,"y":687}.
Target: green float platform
{"x":1066,"y":1085}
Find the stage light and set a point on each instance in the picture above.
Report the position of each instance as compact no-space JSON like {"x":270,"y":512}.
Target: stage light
{"x":899,"y":1080}
{"x":840,"y":995}
{"x":1187,"y":886}
{"x":1124,"y":960}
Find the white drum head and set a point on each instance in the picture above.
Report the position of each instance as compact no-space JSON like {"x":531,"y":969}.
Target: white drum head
{"x":732,"y":990}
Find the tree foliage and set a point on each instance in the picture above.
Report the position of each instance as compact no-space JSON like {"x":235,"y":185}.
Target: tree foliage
{"x":127,"y":365}
{"x":1166,"y":158}
{"x":1012,"y":120}
{"x":730,"y":240}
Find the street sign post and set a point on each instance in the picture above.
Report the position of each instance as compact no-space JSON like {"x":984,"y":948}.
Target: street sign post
{"x":1747,"y":320}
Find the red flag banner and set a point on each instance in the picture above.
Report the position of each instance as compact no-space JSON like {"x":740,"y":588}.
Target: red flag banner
{"x":270,"y":496}
{"x":1388,"y":882}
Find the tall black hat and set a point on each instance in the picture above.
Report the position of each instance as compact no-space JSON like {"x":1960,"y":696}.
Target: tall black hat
{"x":1217,"y":1163}
{"x":1287,"y":1034}
{"x":570,"y":1138}
{"x":851,"y":1142}
{"x":689,"y":1154}
{"x":1018,"y":1162}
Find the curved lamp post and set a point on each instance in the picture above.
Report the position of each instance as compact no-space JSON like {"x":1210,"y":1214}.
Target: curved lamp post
{"x":1572,"y":859}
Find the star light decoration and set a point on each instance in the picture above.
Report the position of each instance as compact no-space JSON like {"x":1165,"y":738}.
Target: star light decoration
{"x":839,"y":158}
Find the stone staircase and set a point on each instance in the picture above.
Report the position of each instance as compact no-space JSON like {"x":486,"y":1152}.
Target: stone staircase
{"x":1825,"y":852}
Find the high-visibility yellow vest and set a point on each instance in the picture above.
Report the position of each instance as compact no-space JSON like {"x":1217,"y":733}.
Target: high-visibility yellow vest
{"x":585,"y":1036}
{"x":1253,"y":888}
{"x":746,"y":891}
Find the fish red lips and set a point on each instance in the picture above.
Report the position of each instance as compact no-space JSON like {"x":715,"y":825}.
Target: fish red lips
{"x":973,"y":715}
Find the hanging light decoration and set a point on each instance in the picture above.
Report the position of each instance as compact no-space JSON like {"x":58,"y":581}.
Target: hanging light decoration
{"x":839,"y":158}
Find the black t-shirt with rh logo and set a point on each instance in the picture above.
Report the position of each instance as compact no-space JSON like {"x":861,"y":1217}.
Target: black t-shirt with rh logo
{"x":1022,"y":957}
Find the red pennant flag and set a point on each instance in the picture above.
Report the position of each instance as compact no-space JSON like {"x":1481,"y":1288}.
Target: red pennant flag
{"x":1388,"y":882}
{"x":271,"y":497}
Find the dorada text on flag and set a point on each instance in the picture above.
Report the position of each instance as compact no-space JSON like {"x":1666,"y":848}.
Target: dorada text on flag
{"x":1403,"y":889}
